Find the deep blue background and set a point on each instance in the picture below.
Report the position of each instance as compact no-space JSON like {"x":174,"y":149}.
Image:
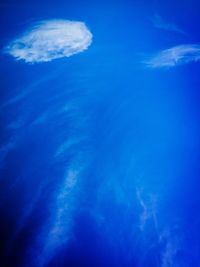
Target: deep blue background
{"x":138,"y":140}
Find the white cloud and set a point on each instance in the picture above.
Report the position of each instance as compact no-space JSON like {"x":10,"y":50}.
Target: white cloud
{"x":50,"y":39}
{"x":177,"y":55}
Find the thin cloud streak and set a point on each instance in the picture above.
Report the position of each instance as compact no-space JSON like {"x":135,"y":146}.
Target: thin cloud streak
{"x":60,"y":230}
{"x":160,"y":23}
{"x":177,"y":55}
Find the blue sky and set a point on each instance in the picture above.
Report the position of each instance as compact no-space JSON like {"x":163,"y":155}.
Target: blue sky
{"x":99,"y":151}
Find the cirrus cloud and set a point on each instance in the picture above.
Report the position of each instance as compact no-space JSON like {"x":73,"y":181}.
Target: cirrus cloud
{"x":160,"y":23}
{"x":176,"y":55}
{"x":50,"y":39}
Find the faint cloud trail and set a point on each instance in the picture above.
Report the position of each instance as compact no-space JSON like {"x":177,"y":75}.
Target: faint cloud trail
{"x":148,"y":210}
{"x":168,"y":241}
{"x":160,"y":23}
{"x":59,"y":230}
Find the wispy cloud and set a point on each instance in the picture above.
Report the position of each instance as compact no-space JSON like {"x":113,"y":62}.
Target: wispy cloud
{"x":50,"y":39}
{"x":66,"y":145}
{"x":60,"y":227}
{"x":148,"y":210}
{"x":171,"y":247}
{"x":167,"y":238}
{"x":177,"y":55}
{"x":162,"y":24}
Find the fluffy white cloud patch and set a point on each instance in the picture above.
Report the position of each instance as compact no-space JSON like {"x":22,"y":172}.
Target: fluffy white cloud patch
{"x":177,"y":55}
{"x":50,"y":39}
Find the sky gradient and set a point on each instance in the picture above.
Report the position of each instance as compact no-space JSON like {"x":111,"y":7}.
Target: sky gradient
{"x":100,"y":126}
